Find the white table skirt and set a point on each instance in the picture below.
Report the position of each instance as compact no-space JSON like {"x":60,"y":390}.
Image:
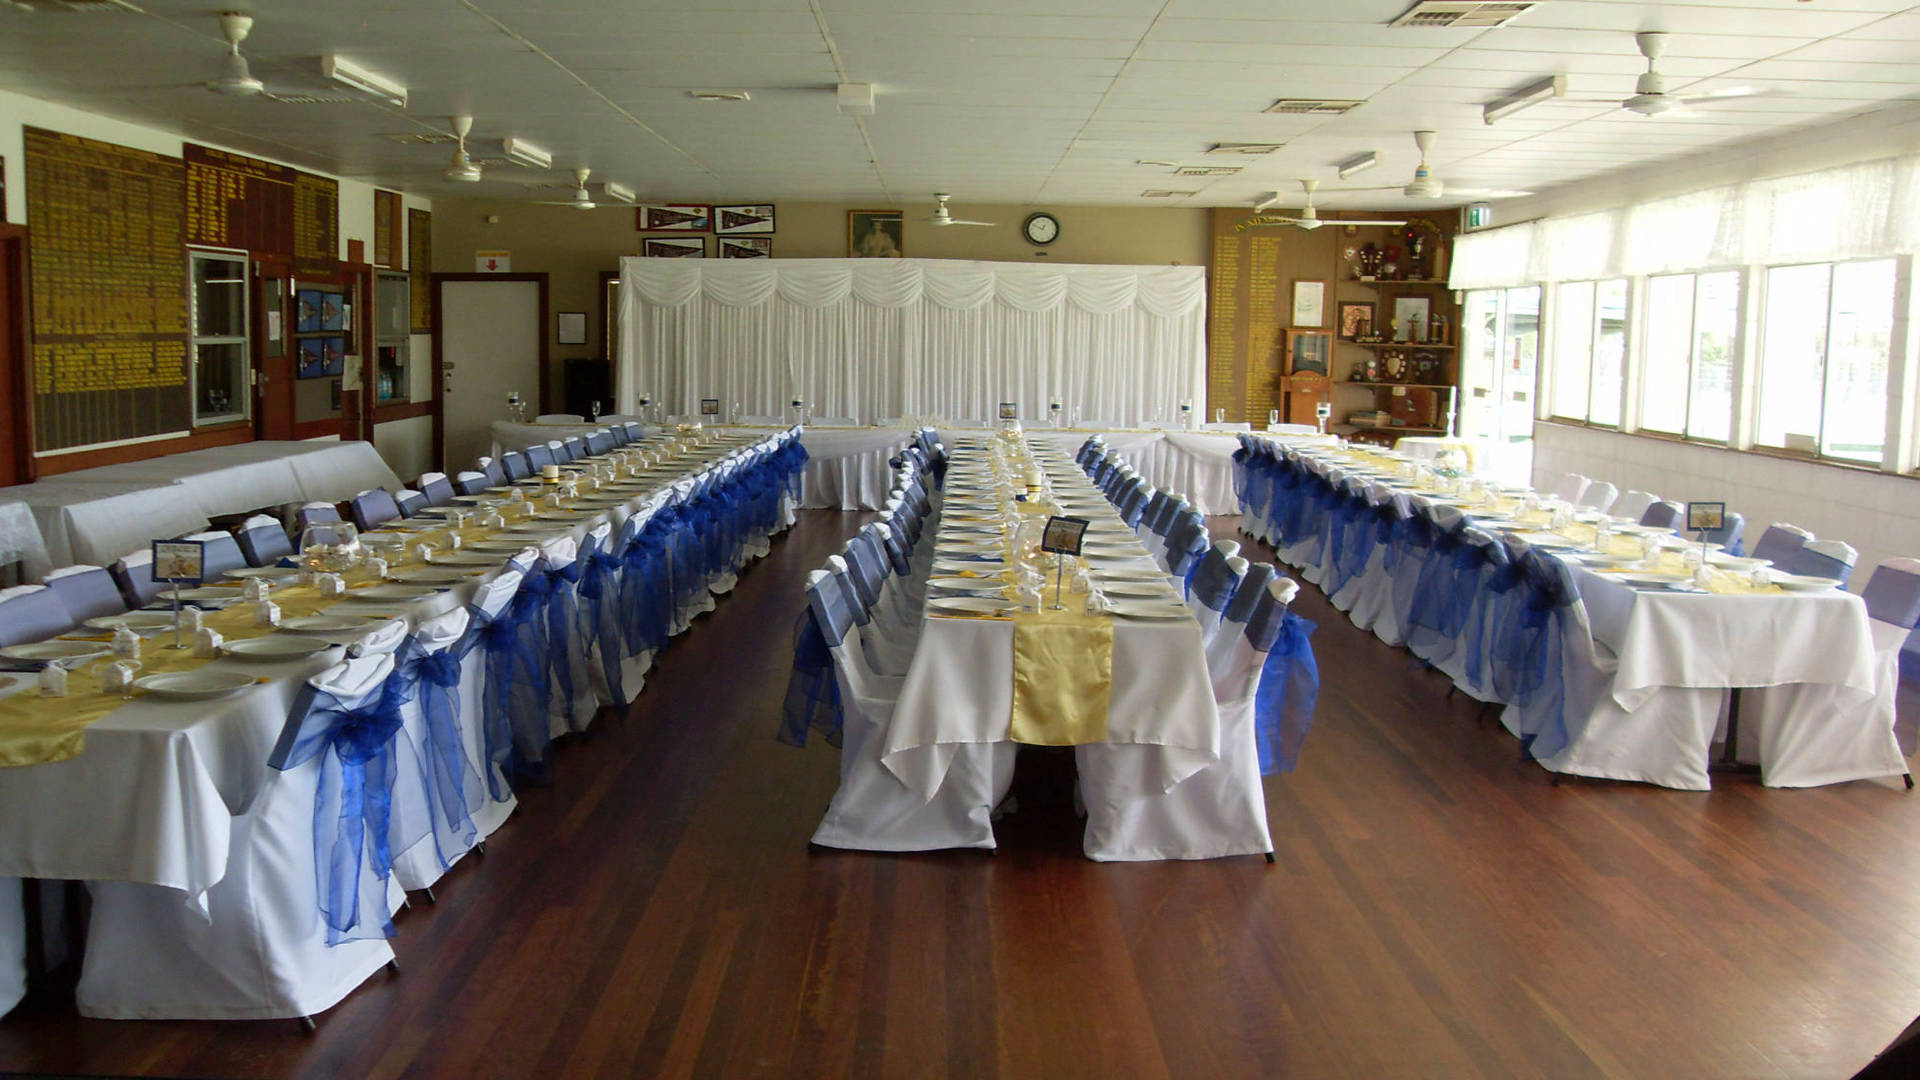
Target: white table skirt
{"x":153,"y":796}
{"x":20,"y":540}
{"x":96,"y":523}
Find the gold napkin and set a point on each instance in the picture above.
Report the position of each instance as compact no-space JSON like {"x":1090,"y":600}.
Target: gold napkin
{"x":1062,"y":675}
{"x":35,"y":730}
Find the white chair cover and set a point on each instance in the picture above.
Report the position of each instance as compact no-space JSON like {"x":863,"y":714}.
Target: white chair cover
{"x":258,"y":950}
{"x":1808,"y":735}
{"x":13,"y":945}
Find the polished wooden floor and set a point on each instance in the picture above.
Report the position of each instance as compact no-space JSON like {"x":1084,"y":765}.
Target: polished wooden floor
{"x":1438,"y":909}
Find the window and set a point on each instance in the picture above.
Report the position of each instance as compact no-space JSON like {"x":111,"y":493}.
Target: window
{"x":221,"y":367}
{"x":1590,"y":350}
{"x":1823,"y":367}
{"x":393,"y":298}
{"x":1687,"y":385}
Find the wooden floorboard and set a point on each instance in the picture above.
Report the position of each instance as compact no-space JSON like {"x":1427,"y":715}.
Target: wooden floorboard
{"x":1436,"y":908}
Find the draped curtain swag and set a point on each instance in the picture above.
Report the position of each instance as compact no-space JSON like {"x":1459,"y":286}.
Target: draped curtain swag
{"x":933,"y":338}
{"x":1868,"y":210}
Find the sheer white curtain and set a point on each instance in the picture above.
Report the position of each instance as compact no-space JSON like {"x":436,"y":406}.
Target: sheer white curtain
{"x":942,"y":339}
{"x":1866,"y":210}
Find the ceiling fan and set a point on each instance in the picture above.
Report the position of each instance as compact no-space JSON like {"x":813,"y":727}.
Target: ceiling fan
{"x":462,"y":169}
{"x":942,"y":216}
{"x":1308,"y":220}
{"x":581,"y":199}
{"x":1650,"y":97}
{"x":1425,"y":185}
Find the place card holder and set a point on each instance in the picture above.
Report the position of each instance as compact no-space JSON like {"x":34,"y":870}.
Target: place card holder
{"x":266,"y":614}
{"x":206,"y":643}
{"x":53,"y":681}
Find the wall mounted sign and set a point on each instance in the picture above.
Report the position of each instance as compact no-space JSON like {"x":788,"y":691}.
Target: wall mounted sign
{"x":493,"y":262}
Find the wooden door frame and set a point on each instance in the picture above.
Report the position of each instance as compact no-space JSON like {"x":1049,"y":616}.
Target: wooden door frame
{"x":440,"y":282}
{"x":16,"y":359}
{"x":276,"y":378}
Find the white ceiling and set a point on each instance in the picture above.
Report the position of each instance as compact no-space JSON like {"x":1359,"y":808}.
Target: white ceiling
{"x":1001,"y":101}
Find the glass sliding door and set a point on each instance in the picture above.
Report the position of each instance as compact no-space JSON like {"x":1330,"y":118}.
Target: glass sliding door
{"x":1500,"y":355}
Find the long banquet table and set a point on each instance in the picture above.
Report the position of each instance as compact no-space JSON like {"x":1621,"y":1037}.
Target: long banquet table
{"x":959,"y":688}
{"x":1645,"y":680}
{"x":155,"y":795}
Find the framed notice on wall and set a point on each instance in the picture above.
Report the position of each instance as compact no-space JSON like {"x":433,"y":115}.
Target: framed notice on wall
{"x":386,"y":229}
{"x":420,"y":263}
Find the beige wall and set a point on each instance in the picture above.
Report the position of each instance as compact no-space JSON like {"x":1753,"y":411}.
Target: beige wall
{"x":574,"y":246}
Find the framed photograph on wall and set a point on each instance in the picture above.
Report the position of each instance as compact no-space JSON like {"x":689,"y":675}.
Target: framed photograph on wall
{"x":662,"y":247}
{"x":1309,"y":351}
{"x":755,"y":220}
{"x":1309,"y":303}
{"x":675,"y":217}
{"x":570,"y":328}
{"x":1355,"y":320}
{"x":876,"y":234}
{"x":745,"y":247}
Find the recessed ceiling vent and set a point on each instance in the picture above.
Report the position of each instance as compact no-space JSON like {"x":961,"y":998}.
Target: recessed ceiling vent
{"x":1207,"y":170}
{"x":1314,"y":106}
{"x":78,"y":7}
{"x":1459,"y":14}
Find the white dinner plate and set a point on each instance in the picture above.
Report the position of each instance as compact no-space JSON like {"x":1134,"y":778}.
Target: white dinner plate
{"x":194,"y":685}
{"x":1142,"y":589}
{"x":973,"y":546}
{"x":1126,"y":550}
{"x":1595,"y":558}
{"x":271,"y":573}
{"x":1805,"y":582}
{"x":431,"y":575}
{"x":275,"y":647}
{"x":956,"y":567}
{"x":507,"y":547}
{"x":132,"y":620}
{"x":1147,"y":609}
{"x":386,"y":593}
{"x":11,"y":683}
{"x":328,"y":624}
{"x":1127,"y":573}
{"x":983,"y":586}
{"x":57,"y":650}
{"x":1737,"y":563}
{"x":1651,"y":578}
{"x":968,"y":605}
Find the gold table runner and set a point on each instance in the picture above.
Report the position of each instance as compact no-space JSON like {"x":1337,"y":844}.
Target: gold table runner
{"x":1062,"y":677}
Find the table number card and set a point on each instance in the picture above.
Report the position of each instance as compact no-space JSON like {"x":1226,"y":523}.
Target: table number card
{"x":1009,"y":410}
{"x":709,"y":406}
{"x":1064,"y":535}
{"x":1706,"y":516}
{"x":179,"y":560}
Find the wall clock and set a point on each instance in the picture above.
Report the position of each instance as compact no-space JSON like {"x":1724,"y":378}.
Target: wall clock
{"x":1041,"y":228}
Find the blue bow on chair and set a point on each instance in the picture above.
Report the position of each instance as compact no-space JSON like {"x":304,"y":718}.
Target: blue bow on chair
{"x":528,"y":681}
{"x":646,"y":588}
{"x":813,"y":692}
{"x":598,"y":622}
{"x":1289,"y":691}
{"x":562,"y":595}
{"x":432,"y":677}
{"x":356,"y":825}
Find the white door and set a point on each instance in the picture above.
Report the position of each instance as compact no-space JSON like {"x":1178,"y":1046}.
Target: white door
{"x":490,"y":344}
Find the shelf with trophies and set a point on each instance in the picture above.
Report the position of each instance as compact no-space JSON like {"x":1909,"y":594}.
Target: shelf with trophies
{"x":1398,"y":325}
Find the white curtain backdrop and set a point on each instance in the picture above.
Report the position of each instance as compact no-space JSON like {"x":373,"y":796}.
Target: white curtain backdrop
{"x":1857,"y":211}
{"x":943,"y":340}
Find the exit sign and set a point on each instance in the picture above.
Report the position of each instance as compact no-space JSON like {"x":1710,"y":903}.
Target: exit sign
{"x":492,"y":262}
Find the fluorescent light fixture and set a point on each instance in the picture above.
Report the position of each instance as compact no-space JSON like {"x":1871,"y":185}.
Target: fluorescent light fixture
{"x":354,"y":77}
{"x":525,"y":153}
{"x":720,"y":96}
{"x":1359,"y":163}
{"x":1526,"y":97}
{"x":618,"y":192}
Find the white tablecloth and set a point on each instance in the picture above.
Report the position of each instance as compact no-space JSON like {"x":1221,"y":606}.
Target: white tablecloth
{"x":96,"y":523}
{"x":1720,"y":641}
{"x":847,"y":467}
{"x":256,"y":475}
{"x":20,"y":540}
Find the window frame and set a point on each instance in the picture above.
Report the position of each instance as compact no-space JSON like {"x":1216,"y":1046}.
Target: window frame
{"x":242,"y":410}
{"x":1899,"y":310}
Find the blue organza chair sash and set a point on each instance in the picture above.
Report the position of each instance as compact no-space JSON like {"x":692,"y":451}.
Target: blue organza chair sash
{"x":356,"y":825}
{"x":1434,"y":596}
{"x":646,"y":589}
{"x":432,"y":678}
{"x":1537,"y":626}
{"x":529,"y":675}
{"x":812,"y":702}
{"x":1498,"y":576}
{"x":562,"y":598}
{"x":1289,"y":687}
{"x":599,"y":621}
{"x":1211,"y":581}
{"x":1348,"y":527}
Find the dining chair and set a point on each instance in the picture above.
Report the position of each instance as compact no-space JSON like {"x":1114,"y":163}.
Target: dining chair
{"x":1664,"y":514}
{"x":371,"y":508}
{"x":281,"y":940}
{"x":539,"y":456}
{"x":1211,"y":587}
{"x":1634,"y":504}
{"x":263,"y":540}
{"x":314,"y":513}
{"x":600,"y":442}
{"x":1780,"y":543}
{"x":1825,"y":558}
{"x":1732,"y":527}
{"x":872,"y":810}
{"x":572,"y":448}
{"x":411,"y":502}
{"x":32,"y":613}
{"x":635,"y":431}
{"x":134,"y":574}
{"x":436,"y":487}
{"x":1599,"y":495}
{"x":87,"y":591}
{"x":471,"y":483}
{"x":1570,"y":488}
{"x":222,"y":553}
